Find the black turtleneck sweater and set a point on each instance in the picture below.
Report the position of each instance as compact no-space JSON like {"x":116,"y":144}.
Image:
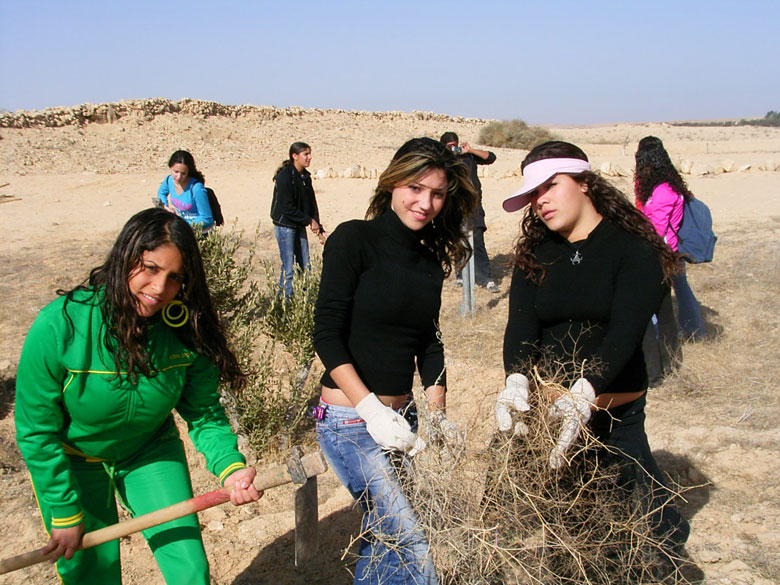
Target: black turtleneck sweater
{"x":594,"y":304}
{"x":378,"y":306}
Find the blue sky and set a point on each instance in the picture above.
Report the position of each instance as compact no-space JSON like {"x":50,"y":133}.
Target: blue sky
{"x":545,"y":61}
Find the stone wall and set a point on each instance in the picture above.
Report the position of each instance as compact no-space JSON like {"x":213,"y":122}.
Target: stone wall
{"x":148,"y":109}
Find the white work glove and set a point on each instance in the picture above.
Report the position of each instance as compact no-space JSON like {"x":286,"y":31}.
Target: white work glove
{"x":574,"y":408}
{"x":440,"y":432}
{"x":388,"y":428}
{"x":514,"y":397}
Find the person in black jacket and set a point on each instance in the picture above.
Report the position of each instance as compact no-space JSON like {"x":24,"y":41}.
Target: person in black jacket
{"x":375,"y":323}
{"x":293,"y":209}
{"x":472,"y":157}
{"x":589,"y":272}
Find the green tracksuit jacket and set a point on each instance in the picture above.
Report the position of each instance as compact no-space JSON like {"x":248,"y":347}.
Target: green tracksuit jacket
{"x":69,"y":401}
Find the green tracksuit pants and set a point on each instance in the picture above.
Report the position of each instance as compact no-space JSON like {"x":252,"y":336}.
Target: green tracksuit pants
{"x":148,"y":481}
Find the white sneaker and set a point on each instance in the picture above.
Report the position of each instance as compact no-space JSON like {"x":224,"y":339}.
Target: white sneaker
{"x":492,"y":287}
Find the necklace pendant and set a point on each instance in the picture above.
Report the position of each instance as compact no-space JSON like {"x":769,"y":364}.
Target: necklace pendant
{"x":576,"y":258}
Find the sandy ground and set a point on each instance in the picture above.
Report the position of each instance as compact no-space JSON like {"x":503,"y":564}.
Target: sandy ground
{"x":71,"y":189}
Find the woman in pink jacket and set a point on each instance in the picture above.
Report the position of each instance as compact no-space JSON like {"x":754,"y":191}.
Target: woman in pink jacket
{"x":661,"y":194}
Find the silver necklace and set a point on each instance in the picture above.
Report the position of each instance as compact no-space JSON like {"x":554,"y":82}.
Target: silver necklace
{"x":576,"y":258}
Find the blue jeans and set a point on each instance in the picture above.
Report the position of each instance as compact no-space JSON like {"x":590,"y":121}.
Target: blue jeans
{"x":293,"y":248}
{"x":688,"y":311}
{"x":393,"y":548}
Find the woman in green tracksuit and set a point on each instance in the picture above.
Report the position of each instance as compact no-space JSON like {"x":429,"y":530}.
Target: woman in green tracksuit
{"x":101,"y":370}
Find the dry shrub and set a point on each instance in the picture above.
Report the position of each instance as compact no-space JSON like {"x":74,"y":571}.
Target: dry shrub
{"x":500,"y":514}
{"x":513,"y":134}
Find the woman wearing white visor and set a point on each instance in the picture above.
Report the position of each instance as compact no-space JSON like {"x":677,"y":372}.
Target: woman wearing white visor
{"x":589,"y":271}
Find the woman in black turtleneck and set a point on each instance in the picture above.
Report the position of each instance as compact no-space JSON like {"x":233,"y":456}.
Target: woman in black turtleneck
{"x":376,"y":321}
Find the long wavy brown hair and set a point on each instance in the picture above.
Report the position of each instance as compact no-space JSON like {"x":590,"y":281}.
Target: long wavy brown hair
{"x":609,"y":202}
{"x":445,"y":236}
{"x":125,"y":337}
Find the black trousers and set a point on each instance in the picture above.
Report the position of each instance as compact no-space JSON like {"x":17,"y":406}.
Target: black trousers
{"x":622,"y":431}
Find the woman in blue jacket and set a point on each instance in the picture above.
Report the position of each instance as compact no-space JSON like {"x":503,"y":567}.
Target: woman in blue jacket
{"x":183,"y":192}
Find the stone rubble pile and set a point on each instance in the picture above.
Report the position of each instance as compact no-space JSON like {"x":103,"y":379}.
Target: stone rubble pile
{"x":147,"y":109}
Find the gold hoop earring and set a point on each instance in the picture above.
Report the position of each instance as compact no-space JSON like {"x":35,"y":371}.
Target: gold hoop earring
{"x":175,"y":314}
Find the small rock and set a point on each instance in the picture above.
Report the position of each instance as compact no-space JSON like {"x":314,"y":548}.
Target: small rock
{"x":107,"y":204}
{"x":251,"y":530}
{"x":215,"y":526}
{"x":695,"y":476}
{"x":354,"y":172}
{"x":213,"y":514}
{"x":769,"y":539}
{"x":736,"y":567}
{"x":709,"y":556}
{"x":621,"y":172}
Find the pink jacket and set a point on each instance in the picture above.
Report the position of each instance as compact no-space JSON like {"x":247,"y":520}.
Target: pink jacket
{"x":664,"y":209}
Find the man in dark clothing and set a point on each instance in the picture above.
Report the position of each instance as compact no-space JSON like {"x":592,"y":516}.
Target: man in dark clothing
{"x":472,"y":157}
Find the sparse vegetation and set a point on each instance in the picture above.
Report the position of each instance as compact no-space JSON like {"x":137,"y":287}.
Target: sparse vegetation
{"x":513,"y":134}
{"x":771,"y":118}
{"x":271,"y":338}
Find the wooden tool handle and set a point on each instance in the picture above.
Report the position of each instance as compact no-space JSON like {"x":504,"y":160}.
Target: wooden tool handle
{"x":313,"y":463}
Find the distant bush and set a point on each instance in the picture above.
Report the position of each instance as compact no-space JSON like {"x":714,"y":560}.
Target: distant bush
{"x":771,"y":118}
{"x":513,"y":134}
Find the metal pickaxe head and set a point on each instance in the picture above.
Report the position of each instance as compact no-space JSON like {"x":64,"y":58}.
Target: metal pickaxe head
{"x":306,"y":514}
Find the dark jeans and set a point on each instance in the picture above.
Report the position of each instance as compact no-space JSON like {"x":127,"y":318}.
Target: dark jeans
{"x":661,"y":343}
{"x":688,"y":311}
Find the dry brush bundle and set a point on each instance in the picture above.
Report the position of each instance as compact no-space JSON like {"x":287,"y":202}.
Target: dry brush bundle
{"x":500,"y":514}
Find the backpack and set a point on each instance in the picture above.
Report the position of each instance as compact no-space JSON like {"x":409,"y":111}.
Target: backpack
{"x":695,"y":238}
{"x":216,"y":208}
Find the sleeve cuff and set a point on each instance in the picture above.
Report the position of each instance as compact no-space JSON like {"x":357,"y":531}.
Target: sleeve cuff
{"x":230,"y":467}
{"x":66,"y":516}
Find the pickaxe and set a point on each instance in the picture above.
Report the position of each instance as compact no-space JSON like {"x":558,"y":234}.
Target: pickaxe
{"x":300,"y":469}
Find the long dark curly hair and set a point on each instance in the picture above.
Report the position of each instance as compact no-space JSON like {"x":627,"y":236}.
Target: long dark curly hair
{"x":445,"y":236}
{"x":125,"y":336}
{"x":608,"y":201}
{"x":653,"y":168}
